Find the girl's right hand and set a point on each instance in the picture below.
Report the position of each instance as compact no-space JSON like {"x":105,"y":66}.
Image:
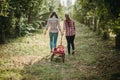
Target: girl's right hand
{"x":62,"y":33}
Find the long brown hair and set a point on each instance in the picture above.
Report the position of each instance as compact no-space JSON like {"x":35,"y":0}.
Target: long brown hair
{"x":53,"y":14}
{"x":67,"y":20}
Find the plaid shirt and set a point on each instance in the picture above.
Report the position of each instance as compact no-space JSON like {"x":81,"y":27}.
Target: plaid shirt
{"x":69,"y":28}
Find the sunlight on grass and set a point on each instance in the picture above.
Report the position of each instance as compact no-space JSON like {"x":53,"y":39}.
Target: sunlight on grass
{"x":28,"y":58}
{"x":26,"y":45}
{"x":75,"y":67}
{"x":23,"y":51}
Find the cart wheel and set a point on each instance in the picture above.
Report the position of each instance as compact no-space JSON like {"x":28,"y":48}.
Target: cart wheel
{"x":63,"y":58}
{"x":52,"y":56}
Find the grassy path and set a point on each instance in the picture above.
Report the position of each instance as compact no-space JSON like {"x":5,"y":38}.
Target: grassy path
{"x":29,"y":60}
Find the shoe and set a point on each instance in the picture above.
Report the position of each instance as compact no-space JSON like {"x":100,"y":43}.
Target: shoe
{"x":73,"y":52}
{"x":68,"y":53}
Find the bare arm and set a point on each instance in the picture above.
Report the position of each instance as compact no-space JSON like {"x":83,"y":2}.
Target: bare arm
{"x":64,"y":27}
{"x":59,"y":27}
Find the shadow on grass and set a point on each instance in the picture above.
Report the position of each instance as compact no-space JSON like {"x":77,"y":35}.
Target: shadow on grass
{"x":109,"y":65}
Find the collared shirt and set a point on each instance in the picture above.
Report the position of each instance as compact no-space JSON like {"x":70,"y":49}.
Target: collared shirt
{"x":69,"y":28}
{"x":53,"y":24}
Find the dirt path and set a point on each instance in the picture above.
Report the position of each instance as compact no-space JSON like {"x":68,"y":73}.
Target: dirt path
{"x":92,"y":59}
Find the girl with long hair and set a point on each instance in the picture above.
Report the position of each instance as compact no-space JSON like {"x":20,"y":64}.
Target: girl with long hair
{"x":69,"y":29}
{"x":54,"y":27}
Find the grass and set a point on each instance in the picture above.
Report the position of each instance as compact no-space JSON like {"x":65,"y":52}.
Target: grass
{"x":28,"y":58}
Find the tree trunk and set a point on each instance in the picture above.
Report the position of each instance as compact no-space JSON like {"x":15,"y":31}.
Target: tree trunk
{"x":2,"y":35}
{"x":17,"y":26}
{"x":83,"y":21}
{"x":88,"y":22}
{"x":117,"y":41}
{"x":99,"y":27}
{"x":99,"y":31}
{"x":91,"y":20}
{"x":17,"y":30}
{"x":29,"y":16}
{"x":95,"y":24}
{"x":106,"y":35}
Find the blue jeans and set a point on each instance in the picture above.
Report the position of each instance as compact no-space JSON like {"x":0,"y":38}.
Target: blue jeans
{"x":53,"y":40}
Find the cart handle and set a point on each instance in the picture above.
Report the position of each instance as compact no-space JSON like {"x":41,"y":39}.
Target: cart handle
{"x":61,"y":40}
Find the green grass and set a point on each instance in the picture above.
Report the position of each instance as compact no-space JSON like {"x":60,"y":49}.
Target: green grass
{"x":75,"y":67}
{"x":28,"y":58}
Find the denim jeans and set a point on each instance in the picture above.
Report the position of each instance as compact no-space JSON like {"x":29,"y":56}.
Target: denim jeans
{"x":53,"y":40}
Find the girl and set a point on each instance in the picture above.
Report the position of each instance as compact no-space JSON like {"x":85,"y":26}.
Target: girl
{"x":54,"y":25}
{"x":69,"y":29}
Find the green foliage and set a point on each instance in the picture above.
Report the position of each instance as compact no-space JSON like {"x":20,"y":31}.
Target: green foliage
{"x":4,"y":7}
{"x":106,"y":11}
{"x":26,"y":16}
{"x":28,"y":58}
{"x":27,"y":29}
{"x":113,"y":7}
{"x":116,"y":29}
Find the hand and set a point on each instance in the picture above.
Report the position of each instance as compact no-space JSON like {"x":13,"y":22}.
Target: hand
{"x":44,"y":33}
{"x":62,"y":33}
